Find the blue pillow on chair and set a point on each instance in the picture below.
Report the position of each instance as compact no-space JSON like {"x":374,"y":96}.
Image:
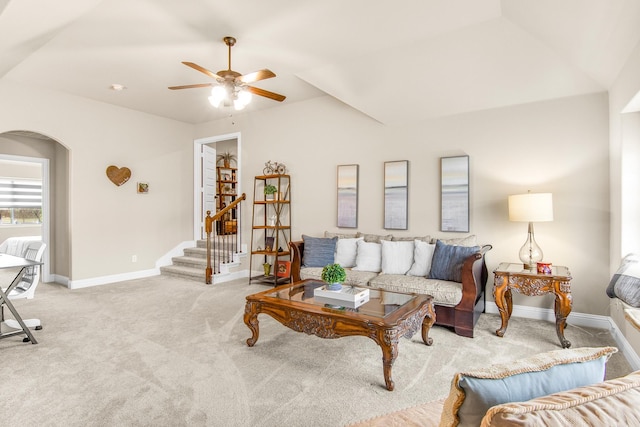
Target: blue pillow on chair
{"x":318,"y":251}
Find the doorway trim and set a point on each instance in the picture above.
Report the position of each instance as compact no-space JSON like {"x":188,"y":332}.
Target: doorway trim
{"x":44,"y":165}
{"x":197,"y":175}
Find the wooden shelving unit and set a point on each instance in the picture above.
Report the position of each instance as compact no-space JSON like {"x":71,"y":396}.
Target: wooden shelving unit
{"x":271,"y":229}
{"x":227,"y":192}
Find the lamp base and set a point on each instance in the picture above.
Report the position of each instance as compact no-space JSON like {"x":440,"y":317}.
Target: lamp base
{"x":530,"y":252}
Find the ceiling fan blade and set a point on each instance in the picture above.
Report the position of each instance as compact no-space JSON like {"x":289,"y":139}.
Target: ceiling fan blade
{"x":201,"y":69}
{"x":191,"y":86}
{"x":266,"y":93}
{"x":257,"y":75}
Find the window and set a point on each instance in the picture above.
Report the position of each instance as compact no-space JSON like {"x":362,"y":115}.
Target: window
{"x":20,"y":201}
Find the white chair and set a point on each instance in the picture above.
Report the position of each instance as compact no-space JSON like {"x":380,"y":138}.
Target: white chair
{"x":27,"y":286}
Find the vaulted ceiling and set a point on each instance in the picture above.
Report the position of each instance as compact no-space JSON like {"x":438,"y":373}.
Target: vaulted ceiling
{"x":396,"y":62}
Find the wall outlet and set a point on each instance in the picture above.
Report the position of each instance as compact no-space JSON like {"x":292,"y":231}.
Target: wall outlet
{"x":134,"y":258}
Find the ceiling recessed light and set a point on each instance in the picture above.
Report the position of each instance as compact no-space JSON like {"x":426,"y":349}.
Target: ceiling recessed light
{"x":117,"y":87}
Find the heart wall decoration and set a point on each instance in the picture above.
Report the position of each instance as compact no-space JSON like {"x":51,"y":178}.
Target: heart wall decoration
{"x":118,"y":175}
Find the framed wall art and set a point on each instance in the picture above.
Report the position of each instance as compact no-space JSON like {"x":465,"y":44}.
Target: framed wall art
{"x":396,"y":195}
{"x":348,"y":196}
{"x":143,"y":187}
{"x":454,"y":195}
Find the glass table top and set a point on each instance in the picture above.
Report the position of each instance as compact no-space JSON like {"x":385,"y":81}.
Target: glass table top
{"x":381,"y":303}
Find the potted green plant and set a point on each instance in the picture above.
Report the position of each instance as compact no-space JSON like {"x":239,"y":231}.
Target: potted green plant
{"x":269,"y":191}
{"x":225,"y":159}
{"x":334,"y":275}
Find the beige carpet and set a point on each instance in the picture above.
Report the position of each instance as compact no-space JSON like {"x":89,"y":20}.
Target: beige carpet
{"x":168,"y":352}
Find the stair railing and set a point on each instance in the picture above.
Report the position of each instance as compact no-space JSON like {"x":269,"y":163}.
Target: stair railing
{"x":229,"y":242}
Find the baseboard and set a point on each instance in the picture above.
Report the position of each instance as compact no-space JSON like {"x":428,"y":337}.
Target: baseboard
{"x":56,"y":278}
{"x":105,"y":280}
{"x":577,"y":319}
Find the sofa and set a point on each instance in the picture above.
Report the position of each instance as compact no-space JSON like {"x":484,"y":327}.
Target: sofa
{"x":624,"y":303}
{"x":453,"y":271}
{"x":559,"y":388}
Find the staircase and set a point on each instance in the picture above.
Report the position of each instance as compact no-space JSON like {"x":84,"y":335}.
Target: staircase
{"x":193,"y":263}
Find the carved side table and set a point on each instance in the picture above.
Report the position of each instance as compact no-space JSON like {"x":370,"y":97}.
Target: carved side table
{"x":529,"y":282}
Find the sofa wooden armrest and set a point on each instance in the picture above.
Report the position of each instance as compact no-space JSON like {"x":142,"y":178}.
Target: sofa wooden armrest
{"x":472,"y":305}
{"x":297,"y":249}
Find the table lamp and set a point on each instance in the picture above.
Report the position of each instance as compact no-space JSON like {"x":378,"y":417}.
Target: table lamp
{"x":531,"y":207}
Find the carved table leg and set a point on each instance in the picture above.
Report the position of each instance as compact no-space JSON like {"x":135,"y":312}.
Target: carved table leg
{"x":502,"y":297}
{"x":562,"y":309}
{"x":389,"y":344}
{"x":427,"y":323}
{"x":251,"y":320}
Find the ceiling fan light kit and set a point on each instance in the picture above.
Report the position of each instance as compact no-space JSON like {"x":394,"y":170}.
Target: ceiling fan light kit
{"x":227,"y":94}
{"x":231,"y":87}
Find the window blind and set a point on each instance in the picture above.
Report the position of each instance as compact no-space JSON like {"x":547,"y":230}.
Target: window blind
{"x":20,"y":193}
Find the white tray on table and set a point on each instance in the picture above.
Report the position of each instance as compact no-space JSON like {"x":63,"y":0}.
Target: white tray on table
{"x":348,"y":296}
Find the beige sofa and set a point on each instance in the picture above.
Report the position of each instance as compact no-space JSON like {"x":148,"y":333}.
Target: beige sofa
{"x":458,"y":304}
{"x":614,"y":402}
{"x":624,"y":306}
{"x":627,"y":318}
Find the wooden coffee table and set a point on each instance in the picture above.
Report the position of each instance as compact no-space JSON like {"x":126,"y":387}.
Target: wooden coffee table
{"x":385,"y":318}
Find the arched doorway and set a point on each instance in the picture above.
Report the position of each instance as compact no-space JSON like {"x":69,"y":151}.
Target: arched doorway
{"x":35,"y":149}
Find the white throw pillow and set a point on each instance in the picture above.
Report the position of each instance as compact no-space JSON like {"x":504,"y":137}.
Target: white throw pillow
{"x":422,"y":256}
{"x":397,"y":257}
{"x":346,"y":250}
{"x":369,"y":257}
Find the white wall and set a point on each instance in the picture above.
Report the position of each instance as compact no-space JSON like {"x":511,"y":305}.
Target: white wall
{"x":559,"y":146}
{"x":109,"y":224}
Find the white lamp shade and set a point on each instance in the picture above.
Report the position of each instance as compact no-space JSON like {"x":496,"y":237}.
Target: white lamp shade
{"x":531,"y":207}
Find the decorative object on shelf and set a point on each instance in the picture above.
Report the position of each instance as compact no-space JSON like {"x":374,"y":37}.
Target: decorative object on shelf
{"x":544,"y":267}
{"x":225,"y":159}
{"x":454,"y":194}
{"x":118,"y":175}
{"x":284,"y":268}
{"x":268,"y":243}
{"x":396,"y":194}
{"x":334,"y":275}
{"x":531,"y":207}
{"x":274,"y":168}
{"x":270,"y":191}
{"x":143,"y":187}
{"x":348,"y":196}
{"x":267,"y":268}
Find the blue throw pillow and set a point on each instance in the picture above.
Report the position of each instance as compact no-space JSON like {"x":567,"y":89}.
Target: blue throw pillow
{"x":448,"y":260}
{"x":318,"y":251}
{"x":474,"y":392}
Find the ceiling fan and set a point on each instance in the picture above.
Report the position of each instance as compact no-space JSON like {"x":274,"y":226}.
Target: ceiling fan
{"x":230,"y":86}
